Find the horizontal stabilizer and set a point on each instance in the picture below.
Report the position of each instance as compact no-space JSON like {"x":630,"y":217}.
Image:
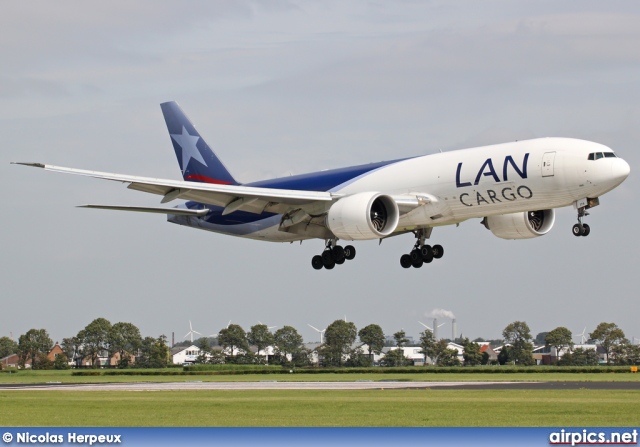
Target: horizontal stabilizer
{"x":142,"y":209}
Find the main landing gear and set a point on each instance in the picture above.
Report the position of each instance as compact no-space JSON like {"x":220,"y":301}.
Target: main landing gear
{"x":333,"y":254}
{"x":421,"y":253}
{"x":581,"y":229}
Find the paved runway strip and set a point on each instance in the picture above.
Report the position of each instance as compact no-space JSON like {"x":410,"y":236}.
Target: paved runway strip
{"x":273,"y":385}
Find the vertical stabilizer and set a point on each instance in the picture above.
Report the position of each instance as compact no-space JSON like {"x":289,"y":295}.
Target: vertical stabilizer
{"x":197,"y":161}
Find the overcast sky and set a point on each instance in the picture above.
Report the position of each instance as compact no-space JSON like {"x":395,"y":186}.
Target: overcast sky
{"x":287,"y":87}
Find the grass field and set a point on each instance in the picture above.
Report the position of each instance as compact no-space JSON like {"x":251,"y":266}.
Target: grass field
{"x":66,"y":377}
{"x":321,"y":408}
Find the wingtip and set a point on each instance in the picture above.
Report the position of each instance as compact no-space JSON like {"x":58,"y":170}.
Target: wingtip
{"x":35,"y":165}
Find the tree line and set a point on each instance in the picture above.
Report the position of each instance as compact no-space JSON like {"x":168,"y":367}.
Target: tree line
{"x":124,"y":343}
{"x":98,"y":339}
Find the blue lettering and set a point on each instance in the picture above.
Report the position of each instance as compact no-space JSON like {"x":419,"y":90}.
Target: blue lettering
{"x":458,"y":184}
{"x":492,"y":172}
{"x":509,"y":159}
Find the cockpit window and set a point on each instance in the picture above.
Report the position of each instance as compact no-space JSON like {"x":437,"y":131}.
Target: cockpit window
{"x":599,"y":155}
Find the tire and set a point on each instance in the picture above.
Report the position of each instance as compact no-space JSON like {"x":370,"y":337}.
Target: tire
{"x":341,"y":260}
{"x":415,"y":255}
{"x":329,"y":265}
{"x":585,"y":230}
{"x":349,"y":252}
{"x":327,"y":257}
{"x":338,"y":253}
{"x":405,"y":261}
{"x":417,"y":263}
{"x":426,"y":251}
{"x":438,"y":251}
{"x":316,"y":262}
{"x":576,"y":230}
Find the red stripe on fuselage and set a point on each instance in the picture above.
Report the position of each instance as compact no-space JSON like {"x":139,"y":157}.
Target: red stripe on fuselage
{"x":204,"y":178}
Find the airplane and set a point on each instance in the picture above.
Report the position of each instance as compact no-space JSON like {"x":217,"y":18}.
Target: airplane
{"x":513,"y":187}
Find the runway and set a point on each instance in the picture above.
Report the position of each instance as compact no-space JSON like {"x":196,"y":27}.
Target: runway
{"x":357,"y":385}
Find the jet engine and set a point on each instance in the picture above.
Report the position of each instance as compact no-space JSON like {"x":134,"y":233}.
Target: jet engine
{"x":521,"y":225}
{"x":366,"y":215}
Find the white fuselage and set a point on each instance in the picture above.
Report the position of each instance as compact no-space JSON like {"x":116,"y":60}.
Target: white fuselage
{"x":505,"y":178}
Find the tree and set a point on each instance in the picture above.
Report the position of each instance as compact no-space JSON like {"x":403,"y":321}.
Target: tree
{"x":287,"y":342}
{"x":233,"y":337}
{"x":518,"y":335}
{"x":373,"y":337}
{"x":559,"y":338}
{"x":261,"y":338}
{"x":72,"y":348}
{"x":504,"y":356}
{"x":338,"y":338}
{"x":94,"y":339}
{"x":154,"y":353}
{"x":472,"y":355}
{"x":395,"y":357}
{"x":61,"y":362}
{"x":124,"y":339}
{"x":626,"y":354}
{"x":541,"y":339}
{"x":205,"y":348}
{"x":579,"y":357}
{"x":7,"y":347}
{"x":448,"y":357}
{"x":401,"y":339}
{"x":608,"y":335}
{"x":427,"y":343}
{"x":34,"y":344}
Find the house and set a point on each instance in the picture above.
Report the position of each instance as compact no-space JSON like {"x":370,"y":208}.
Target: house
{"x":55,"y":352}
{"x":188,"y":355}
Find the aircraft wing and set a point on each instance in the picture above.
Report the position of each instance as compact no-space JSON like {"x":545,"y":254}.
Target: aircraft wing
{"x":231,"y":197}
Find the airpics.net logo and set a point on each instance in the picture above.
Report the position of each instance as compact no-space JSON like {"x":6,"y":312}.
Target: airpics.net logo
{"x":71,"y":438}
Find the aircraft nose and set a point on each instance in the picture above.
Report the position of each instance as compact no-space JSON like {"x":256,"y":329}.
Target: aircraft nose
{"x":620,"y":169}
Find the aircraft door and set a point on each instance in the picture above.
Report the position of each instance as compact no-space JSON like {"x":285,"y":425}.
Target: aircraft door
{"x":547,"y":164}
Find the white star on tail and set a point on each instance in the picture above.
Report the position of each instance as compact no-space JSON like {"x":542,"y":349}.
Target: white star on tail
{"x":189,"y":150}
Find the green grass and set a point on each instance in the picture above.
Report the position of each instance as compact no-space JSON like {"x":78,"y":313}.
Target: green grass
{"x":66,"y":377}
{"x":434,"y":407}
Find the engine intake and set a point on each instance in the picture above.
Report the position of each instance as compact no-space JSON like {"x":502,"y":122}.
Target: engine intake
{"x":366,"y":215}
{"x":525,"y":225}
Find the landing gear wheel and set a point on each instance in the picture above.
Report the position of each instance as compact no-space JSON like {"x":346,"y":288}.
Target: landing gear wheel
{"x":341,"y":260}
{"x":438,"y":251}
{"x":585,"y":230}
{"x":349,"y":252}
{"x":426,"y":251}
{"x":327,"y":257}
{"x":338,"y":253}
{"x":417,"y":263}
{"x":328,"y":264}
{"x":405,"y":261}
{"x":576,"y":230}
{"x":316,"y":262}
{"x":415,"y":255}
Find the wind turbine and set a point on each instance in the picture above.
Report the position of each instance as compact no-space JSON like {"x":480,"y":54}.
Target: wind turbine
{"x":583,"y":338}
{"x":433,"y":331}
{"x":215,"y":335}
{"x":268,"y":327}
{"x":321,"y":332}
{"x":191,"y":332}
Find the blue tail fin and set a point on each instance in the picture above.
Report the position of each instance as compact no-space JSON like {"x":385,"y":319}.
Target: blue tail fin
{"x":196,"y":159}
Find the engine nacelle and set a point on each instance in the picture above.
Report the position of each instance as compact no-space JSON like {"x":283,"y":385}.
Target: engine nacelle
{"x":521,"y":225}
{"x":366,"y":215}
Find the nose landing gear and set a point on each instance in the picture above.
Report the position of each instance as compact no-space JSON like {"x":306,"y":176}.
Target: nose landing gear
{"x":581,"y":229}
